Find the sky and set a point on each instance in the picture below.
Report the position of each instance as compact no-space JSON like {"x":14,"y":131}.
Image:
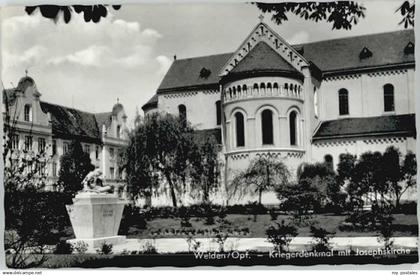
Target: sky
{"x":89,"y":66}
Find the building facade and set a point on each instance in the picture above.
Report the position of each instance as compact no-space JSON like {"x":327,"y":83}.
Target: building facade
{"x":299,"y":103}
{"x":41,"y":127}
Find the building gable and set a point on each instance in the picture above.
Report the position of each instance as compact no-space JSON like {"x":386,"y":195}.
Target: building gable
{"x":262,"y":58}
{"x":263,"y":33}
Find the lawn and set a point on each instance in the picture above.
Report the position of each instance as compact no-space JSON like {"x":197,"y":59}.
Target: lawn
{"x":244,"y":226}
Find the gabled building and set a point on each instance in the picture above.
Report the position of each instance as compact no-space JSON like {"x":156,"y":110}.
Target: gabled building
{"x":300,"y":103}
{"x":40,"y":126}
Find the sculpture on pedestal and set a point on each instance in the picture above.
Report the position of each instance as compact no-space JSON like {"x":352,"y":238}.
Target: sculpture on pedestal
{"x":96,"y":213}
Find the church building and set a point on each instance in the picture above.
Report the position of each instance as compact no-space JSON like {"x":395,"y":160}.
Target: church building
{"x":299,"y":103}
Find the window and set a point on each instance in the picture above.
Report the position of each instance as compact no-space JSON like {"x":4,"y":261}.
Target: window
{"x":111,"y":172}
{"x":292,"y":128}
{"x":269,"y":88}
{"x":97,"y":152}
{"x":240,"y":129}
{"x":54,"y":169}
{"x":111,"y":153}
{"x":87,"y":148}
{"x":54,"y":147}
{"x":267,"y":127}
{"x":28,"y":113}
{"x":15,"y":142}
{"x":65,"y":147}
{"x":256,"y":87}
{"x":262,"y":87}
{"x":41,"y":145}
{"x":328,"y":159}
{"x":118,"y":131}
{"x":343,"y":102}
{"x":183,"y":114}
{"x":28,"y":143}
{"x":218,"y":113}
{"x":389,"y":98}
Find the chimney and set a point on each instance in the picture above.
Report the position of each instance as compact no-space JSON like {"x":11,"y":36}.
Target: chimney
{"x":174,"y":57}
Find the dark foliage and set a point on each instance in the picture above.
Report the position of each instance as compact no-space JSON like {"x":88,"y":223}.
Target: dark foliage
{"x":301,"y":198}
{"x":273,"y":214}
{"x":90,"y":13}
{"x":63,"y":247}
{"x":264,"y":173}
{"x":280,"y":235}
{"x":163,"y":149}
{"x":342,"y":14}
{"x":407,"y":11}
{"x":322,"y":238}
{"x":105,"y":249}
{"x":408,"y":208}
{"x":75,"y":164}
{"x":133,"y":216}
{"x":39,"y":216}
{"x":185,"y":217}
{"x":204,"y":210}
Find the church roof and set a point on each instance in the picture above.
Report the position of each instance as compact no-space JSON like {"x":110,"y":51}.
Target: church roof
{"x":262,"y":58}
{"x":331,"y":56}
{"x":340,"y":55}
{"x":403,"y":125}
{"x":186,"y":72}
{"x":152,"y":103}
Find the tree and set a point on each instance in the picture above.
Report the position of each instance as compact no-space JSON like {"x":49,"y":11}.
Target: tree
{"x":206,"y":167}
{"x":161,"y":147}
{"x":75,"y":164}
{"x":392,"y":171}
{"x":345,"y":167}
{"x":409,"y":173}
{"x":367,"y":181}
{"x":342,"y":14}
{"x":141,"y":177}
{"x":301,"y":198}
{"x":280,"y":235}
{"x":263,"y":174}
{"x":29,"y":222}
{"x":322,"y":239}
{"x":90,"y":13}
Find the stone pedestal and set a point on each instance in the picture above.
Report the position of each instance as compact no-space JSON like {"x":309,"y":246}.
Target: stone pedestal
{"x":95,"y":219}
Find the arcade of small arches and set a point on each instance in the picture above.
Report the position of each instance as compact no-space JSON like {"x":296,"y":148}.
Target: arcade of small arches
{"x":263,"y":89}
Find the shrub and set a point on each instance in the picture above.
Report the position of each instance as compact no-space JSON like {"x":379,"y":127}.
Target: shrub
{"x":220,"y":239}
{"x":44,"y":222}
{"x":407,"y":208}
{"x":273,"y":214}
{"x":105,"y":249}
{"x":63,"y":247}
{"x":280,"y":235}
{"x":132,"y":217}
{"x":209,"y":214}
{"x":193,"y":244}
{"x":80,"y":247}
{"x":322,"y":238}
{"x":185,"y":218}
{"x":149,"y":248}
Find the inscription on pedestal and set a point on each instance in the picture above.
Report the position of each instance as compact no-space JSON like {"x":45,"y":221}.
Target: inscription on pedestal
{"x":108,"y":213}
